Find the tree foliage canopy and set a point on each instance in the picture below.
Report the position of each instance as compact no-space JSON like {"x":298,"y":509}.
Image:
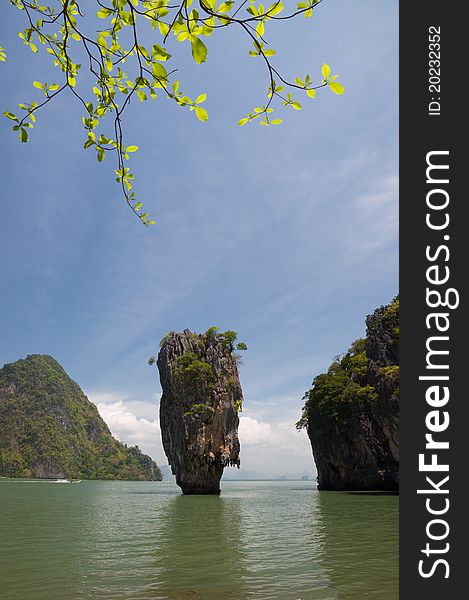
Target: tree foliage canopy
{"x":107,"y":68}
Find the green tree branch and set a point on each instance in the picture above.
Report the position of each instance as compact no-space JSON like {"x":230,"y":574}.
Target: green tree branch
{"x":60,"y":29}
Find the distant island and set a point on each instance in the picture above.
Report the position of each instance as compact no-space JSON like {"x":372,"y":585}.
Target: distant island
{"x":49,"y":429}
{"x":247,"y":475}
{"x":352,"y":412}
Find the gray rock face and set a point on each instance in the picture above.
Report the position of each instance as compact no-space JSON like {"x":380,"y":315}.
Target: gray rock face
{"x":352,"y":412}
{"x":199,"y":408}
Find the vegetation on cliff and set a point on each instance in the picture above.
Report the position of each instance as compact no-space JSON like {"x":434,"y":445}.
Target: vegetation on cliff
{"x":49,"y":428}
{"x":334,"y":393}
{"x":192,"y":371}
{"x":351,"y":412}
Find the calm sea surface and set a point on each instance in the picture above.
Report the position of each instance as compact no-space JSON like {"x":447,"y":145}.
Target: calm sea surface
{"x":145,"y":541}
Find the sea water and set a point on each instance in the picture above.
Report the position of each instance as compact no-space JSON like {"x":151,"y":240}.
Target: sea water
{"x":266,"y":540}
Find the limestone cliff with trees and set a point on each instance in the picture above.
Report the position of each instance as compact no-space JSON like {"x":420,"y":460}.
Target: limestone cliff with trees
{"x":352,"y":411}
{"x":199,"y":407}
{"x":49,"y":429}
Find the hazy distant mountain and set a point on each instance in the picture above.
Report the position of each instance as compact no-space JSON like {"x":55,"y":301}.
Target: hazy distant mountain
{"x":246,"y":475}
{"x":49,"y":428}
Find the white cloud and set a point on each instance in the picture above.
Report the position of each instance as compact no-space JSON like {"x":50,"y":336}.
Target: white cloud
{"x":121,"y":415}
{"x":280,"y":436}
{"x":274,"y":448}
{"x":124,"y":423}
{"x":252,"y":432}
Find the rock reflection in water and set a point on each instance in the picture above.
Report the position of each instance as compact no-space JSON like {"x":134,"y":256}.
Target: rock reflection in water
{"x":199,"y":551}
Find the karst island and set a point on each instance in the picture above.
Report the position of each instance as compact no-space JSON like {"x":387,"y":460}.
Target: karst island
{"x":199,"y":407}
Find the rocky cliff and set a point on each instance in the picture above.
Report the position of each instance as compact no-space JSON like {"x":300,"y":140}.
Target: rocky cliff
{"x":199,"y":407}
{"x":49,"y":428}
{"x":352,"y":411}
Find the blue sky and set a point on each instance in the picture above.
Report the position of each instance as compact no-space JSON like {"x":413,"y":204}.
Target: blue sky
{"x":287,"y":235}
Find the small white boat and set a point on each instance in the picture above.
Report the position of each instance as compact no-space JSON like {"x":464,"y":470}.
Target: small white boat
{"x":62,"y":481}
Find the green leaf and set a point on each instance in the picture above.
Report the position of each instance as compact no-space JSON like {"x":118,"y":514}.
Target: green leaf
{"x":159,"y":53}
{"x":143,"y":51}
{"x":336,"y":87}
{"x":208,"y":26}
{"x":163,"y":27}
{"x":225,"y":7}
{"x":311,"y":93}
{"x":276,"y":121}
{"x":201,"y":98}
{"x":326,"y":71}
{"x":296,"y":105}
{"x":159,"y":72}
{"x":23,"y":135}
{"x":127,"y":17}
{"x":103,"y":13}
{"x":275,"y":9}
{"x":243,"y":122}
{"x":260,"y":28}
{"x":131,"y":149}
{"x":11,"y":116}
{"x":53,"y":87}
{"x":38,"y":85}
{"x":199,"y":51}
{"x":201,"y":113}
